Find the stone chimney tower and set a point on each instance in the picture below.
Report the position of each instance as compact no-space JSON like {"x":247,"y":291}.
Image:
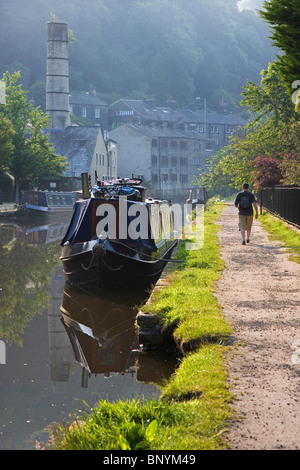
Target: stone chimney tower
{"x":57,"y":83}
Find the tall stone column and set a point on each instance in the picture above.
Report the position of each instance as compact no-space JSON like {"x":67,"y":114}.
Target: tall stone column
{"x":57,"y":82}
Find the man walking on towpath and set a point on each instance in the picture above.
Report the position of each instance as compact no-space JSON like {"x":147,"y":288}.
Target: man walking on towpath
{"x":244,"y":201}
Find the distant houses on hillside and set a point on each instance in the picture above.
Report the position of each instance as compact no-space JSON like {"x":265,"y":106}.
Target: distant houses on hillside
{"x":213,"y":126}
{"x":165,"y":146}
{"x":89,"y":108}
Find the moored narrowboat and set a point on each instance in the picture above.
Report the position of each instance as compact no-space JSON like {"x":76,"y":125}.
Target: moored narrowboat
{"x":46,"y":202}
{"x":118,"y":238}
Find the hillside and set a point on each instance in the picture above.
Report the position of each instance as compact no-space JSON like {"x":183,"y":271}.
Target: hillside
{"x":134,"y":48}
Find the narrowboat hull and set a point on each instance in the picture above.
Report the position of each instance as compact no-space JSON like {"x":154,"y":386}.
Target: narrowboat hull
{"x":113,"y":265}
{"x":91,"y":256}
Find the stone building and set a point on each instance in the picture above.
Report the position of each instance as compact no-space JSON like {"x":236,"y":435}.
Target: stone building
{"x":165,"y":145}
{"x":166,"y":159}
{"x":216,"y":126}
{"x":86,"y":152}
{"x":89,"y":107}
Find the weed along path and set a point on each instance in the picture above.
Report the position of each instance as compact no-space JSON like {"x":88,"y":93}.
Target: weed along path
{"x":259,"y":292}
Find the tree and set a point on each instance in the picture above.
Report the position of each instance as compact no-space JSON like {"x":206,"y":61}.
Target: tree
{"x":32,"y":155}
{"x":284,"y":17}
{"x":272,"y":132}
{"x":290,"y":168}
{"x":267,"y":172}
{"x":270,"y":99}
{"x":217,"y":180}
{"x":6,"y":144}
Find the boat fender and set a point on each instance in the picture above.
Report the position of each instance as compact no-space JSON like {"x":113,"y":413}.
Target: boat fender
{"x":99,"y":250}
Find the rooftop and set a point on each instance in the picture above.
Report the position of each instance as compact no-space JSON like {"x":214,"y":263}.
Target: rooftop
{"x":144,"y":109}
{"x":77,"y":144}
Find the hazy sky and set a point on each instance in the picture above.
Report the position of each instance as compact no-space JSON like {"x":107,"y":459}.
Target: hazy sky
{"x":250,"y":4}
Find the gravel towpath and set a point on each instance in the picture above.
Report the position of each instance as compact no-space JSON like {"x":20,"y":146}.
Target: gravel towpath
{"x":259,"y":292}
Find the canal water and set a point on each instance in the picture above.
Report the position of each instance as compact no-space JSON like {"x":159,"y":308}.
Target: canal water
{"x":61,"y":349}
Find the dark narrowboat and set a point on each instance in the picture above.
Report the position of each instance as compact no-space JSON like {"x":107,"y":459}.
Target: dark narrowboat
{"x":118,"y":238}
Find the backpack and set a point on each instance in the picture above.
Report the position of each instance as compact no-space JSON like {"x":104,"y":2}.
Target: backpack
{"x":245,"y":202}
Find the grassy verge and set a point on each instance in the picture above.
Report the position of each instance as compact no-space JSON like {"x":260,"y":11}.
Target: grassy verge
{"x":194,"y":409}
{"x":279,"y":230}
{"x":189,"y":303}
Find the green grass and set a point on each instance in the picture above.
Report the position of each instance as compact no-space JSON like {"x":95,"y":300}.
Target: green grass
{"x":189,"y":303}
{"x":176,"y":424}
{"x":120,"y":425}
{"x":200,"y":382}
{"x":194,"y":410}
{"x":288,"y":234}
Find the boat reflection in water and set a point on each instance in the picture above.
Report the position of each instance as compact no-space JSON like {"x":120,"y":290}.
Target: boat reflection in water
{"x":102,"y":330}
{"x":42,"y":234}
{"x":39,"y":382}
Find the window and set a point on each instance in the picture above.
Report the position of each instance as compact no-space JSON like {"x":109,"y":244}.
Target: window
{"x":174,"y":161}
{"x":154,"y":159}
{"x":196,"y":145}
{"x":183,"y":161}
{"x":214,"y":129}
{"x":183,"y":144}
{"x":97,"y":112}
{"x":125,"y":113}
{"x":196,"y":161}
{"x":184,"y":178}
{"x":174,"y":177}
{"x":165,"y":177}
{"x":83,"y":112}
{"x":174,"y":144}
{"x":164,"y":161}
{"x":164,"y":143}
{"x":154,"y":178}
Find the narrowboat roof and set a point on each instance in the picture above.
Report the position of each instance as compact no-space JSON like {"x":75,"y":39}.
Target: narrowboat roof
{"x":80,"y":227}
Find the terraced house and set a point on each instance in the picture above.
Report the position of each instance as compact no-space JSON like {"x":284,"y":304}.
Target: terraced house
{"x":88,"y":108}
